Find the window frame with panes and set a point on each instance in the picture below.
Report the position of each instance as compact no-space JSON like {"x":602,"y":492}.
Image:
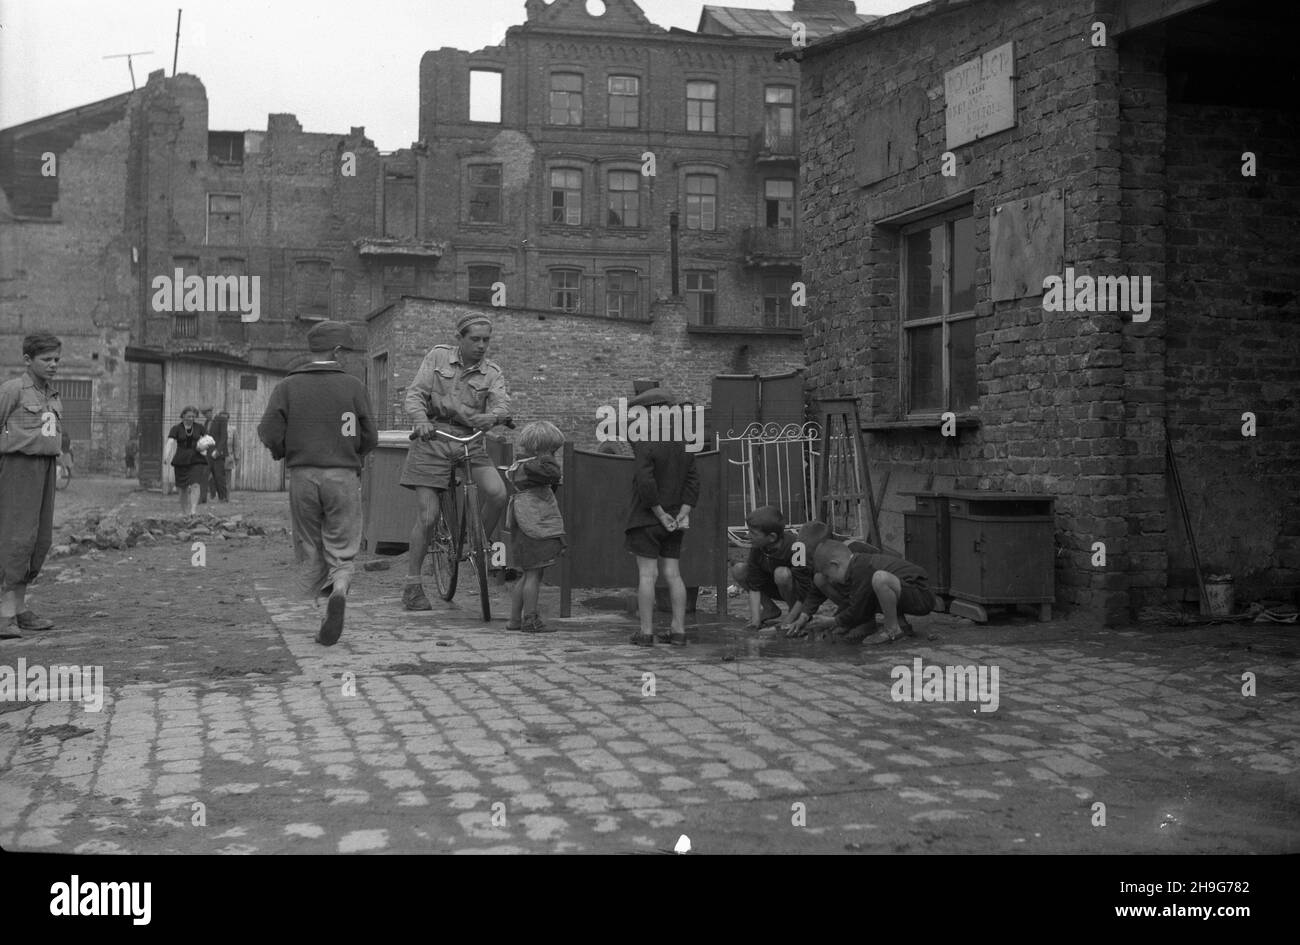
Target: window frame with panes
{"x":696,"y":295}
{"x":616,"y":287}
{"x":476,"y":187}
{"x":699,"y":116}
{"x":609,"y":200}
{"x":956,"y":306}
{"x":575,"y":289}
{"x":774,"y":110}
{"x":787,"y":277}
{"x":624,"y":101}
{"x":569,"y":210}
{"x":701,"y":206}
{"x":566,"y":105}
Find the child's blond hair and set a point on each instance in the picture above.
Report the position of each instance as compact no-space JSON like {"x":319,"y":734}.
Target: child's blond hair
{"x":540,"y":436}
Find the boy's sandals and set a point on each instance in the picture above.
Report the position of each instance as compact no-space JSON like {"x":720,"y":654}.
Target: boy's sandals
{"x":642,"y":639}
{"x":676,"y":639}
{"x":884,"y":635}
{"x":770,"y":612}
{"x":533,"y":624}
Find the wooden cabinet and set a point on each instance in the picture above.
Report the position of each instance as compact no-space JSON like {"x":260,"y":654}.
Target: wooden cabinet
{"x":985,"y":547}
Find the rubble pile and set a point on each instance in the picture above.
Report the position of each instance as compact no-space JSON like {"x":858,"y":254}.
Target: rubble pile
{"x":102,"y":532}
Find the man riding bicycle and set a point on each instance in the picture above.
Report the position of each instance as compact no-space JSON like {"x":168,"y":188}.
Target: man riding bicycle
{"x":457,"y":390}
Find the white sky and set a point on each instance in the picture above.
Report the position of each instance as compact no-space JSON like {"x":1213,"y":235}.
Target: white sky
{"x":333,"y":63}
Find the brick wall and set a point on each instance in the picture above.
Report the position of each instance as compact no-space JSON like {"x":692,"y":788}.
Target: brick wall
{"x":1050,"y":385}
{"x":562,"y":367}
{"x":1234,"y":342}
{"x":65,"y":265}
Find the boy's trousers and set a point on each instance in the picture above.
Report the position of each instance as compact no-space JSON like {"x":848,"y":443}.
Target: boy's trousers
{"x":325,"y":506}
{"x":26,"y":515}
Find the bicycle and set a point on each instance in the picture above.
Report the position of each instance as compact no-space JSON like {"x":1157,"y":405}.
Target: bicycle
{"x":460,"y":517}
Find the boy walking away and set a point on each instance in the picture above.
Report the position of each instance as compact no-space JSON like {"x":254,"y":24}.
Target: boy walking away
{"x":665,"y":487}
{"x":533,"y":517}
{"x":319,"y":421}
{"x":771,"y":571}
{"x":31,"y":418}
{"x":874,"y":583}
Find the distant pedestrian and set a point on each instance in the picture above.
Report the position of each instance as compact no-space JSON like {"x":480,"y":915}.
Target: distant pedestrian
{"x":131,"y":449}
{"x":205,"y":479}
{"x":31,"y":427}
{"x":665,"y":487}
{"x":319,"y":421}
{"x":533,"y":516}
{"x":182,"y":453}
{"x":219,"y":455}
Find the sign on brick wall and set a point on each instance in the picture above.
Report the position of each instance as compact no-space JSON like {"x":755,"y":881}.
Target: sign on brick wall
{"x":1026,"y":244}
{"x":980,"y":96}
{"x":885,"y":141}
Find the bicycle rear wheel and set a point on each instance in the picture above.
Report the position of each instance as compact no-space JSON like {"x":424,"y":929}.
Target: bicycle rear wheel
{"x":446,"y":544}
{"x":478,"y":548}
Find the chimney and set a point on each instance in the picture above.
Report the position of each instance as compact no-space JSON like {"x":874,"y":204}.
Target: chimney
{"x":825,"y":6}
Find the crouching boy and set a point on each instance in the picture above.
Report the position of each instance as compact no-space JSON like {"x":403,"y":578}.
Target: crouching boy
{"x":868,"y":584}
{"x":771,"y":571}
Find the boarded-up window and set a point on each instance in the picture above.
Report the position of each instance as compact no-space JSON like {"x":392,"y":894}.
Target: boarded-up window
{"x":76,"y":397}
{"x":399,"y":281}
{"x":399,"y":205}
{"x":311,"y":287}
{"x":481,"y":280}
{"x":485,"y":193}
{"x":225,"y":220}
{"x":230,"y":325}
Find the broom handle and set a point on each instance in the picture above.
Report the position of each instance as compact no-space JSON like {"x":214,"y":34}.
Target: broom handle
{"x":1187,"y":524}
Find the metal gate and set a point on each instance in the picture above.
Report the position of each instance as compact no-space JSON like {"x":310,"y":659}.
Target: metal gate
{"x":770,"y":464}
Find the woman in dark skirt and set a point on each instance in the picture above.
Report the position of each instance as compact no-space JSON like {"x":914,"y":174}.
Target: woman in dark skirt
{"x":189,"y":464}
{"x":533,"y":516}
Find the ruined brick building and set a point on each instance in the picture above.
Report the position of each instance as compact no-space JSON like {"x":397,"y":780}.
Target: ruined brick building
{"x":103,"y":200}
{"x":543,"y":196}
{"x":957,"y":156}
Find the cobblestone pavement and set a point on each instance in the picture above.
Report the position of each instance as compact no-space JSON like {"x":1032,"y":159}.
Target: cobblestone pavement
{"x":228,"y":729}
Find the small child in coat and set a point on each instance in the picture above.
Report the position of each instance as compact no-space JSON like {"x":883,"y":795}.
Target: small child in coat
{"x":533,"y":517}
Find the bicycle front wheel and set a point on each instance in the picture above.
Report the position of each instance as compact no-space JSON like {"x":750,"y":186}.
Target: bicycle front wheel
{"x":446,"y":543}
{"x":478,"y":548}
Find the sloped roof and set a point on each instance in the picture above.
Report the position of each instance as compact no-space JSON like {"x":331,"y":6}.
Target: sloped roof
{"x":742,"y":21}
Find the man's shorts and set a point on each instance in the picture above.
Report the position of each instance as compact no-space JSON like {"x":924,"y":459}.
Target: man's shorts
{"x":429,"y":462}
{"x":654,"y":541}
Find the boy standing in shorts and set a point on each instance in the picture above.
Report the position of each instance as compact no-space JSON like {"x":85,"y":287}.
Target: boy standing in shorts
{"x":665,"y":486}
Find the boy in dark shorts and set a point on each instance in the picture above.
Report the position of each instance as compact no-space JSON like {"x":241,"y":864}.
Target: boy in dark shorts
{"x":665,"y":486}
{"x":771,"y":571}
{"x":874,"y":583}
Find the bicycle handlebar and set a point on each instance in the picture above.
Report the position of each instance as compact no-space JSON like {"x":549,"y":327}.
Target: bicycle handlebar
{"x":502,"y":422}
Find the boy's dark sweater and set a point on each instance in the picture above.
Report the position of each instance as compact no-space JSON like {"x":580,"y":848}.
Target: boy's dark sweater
{"x":663,"y":474}
{"x":861,"y":607}
{"x":303,"y":423}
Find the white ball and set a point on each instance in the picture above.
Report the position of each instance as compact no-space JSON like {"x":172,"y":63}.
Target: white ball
{"x":206,"y":443}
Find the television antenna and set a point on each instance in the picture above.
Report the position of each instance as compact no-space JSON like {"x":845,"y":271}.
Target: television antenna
{"x":127,"y":56}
